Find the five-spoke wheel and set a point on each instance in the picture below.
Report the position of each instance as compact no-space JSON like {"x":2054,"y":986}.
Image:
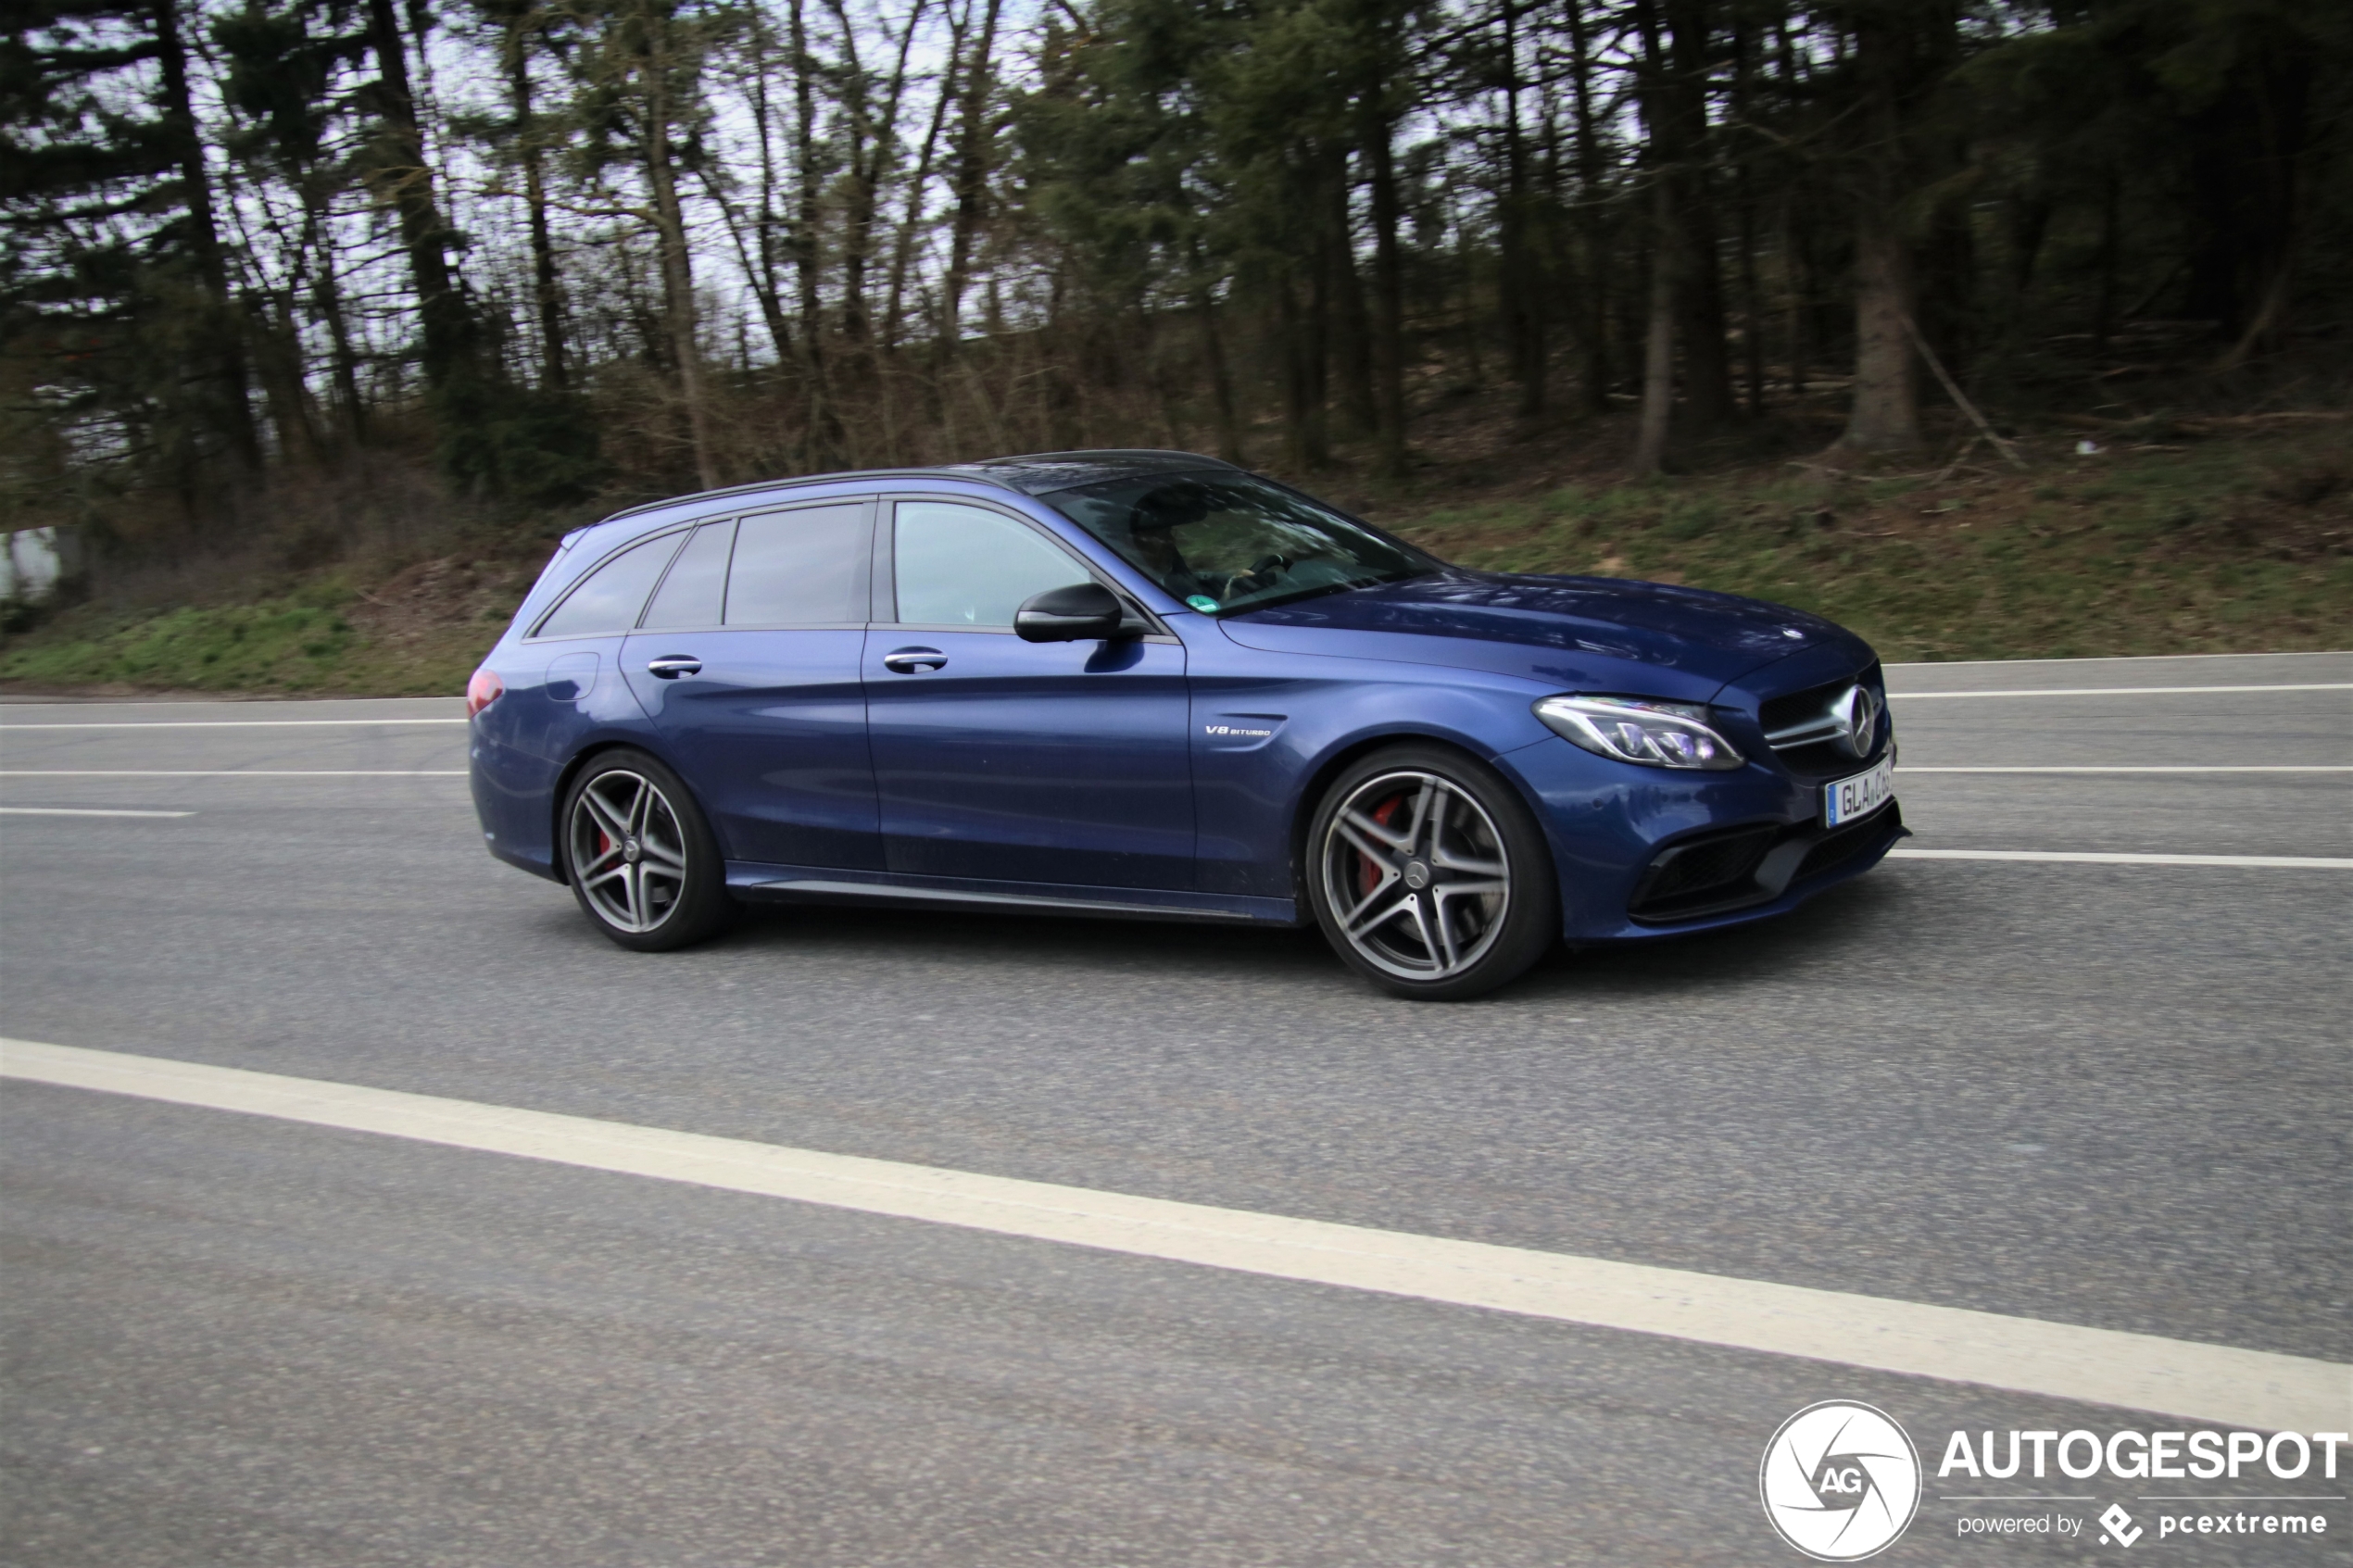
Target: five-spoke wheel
{"x":640,"y":856}
{"x":1428,"y":873}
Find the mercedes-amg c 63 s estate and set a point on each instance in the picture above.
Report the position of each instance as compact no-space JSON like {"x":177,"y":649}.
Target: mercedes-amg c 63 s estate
{"x":1154,"y":684}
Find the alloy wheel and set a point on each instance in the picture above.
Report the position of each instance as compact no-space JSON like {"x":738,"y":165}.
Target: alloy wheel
{"x":628,"y":851}
{"x":1416,"y":875}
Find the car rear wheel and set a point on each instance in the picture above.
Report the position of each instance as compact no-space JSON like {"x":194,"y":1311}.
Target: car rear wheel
{"x":640,"y":857}
{"x":1429,"y":876}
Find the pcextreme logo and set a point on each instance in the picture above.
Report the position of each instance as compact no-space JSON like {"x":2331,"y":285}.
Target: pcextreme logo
{"x":1840,"y":1481}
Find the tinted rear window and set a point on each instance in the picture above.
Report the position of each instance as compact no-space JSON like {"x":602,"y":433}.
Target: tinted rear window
{"x":608,"y":600}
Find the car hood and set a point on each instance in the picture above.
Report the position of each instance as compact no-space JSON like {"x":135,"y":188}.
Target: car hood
{"x":1598,"y":633}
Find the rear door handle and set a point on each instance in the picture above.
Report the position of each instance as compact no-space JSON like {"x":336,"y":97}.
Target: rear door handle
{"x":910,"y":661}
{"x":671,"y":666}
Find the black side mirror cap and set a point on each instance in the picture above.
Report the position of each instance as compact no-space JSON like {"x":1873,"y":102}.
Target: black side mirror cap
{"x":1081,"y":612}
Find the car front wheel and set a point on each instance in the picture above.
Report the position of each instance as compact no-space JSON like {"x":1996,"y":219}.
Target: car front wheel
{"x":1429,"y":875}
{"x":640,"y":856}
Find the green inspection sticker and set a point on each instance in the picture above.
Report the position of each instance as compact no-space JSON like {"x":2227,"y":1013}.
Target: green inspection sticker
{"x":1202,"y":602}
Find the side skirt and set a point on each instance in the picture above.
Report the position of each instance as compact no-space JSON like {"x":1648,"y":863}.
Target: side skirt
{"x":753,"y":880}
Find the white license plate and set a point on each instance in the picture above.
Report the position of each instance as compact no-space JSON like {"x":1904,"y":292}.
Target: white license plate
{"x":1860,"y":796}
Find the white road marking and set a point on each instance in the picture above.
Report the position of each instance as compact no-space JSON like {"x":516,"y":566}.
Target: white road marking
{"x":81,"y":811}
{"x":2106,"y":658}
{"x":1906,"y":769}
{"x":2121,"y":690}
{"x":2215,"y":1383}
{"x":231,"y":773}
{"x":2096,"y":858}
{"x":242,"y":723}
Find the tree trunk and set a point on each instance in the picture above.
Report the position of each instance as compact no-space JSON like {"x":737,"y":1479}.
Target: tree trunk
{"x":1221,"y":382}
{"x":1885,"y":416}
{"x":2247,"y":149}
{"x":1662,"y":119}
{"x":903,"y":248}
{"x":1312,"y":362}
{"x":1658,"y":342}
{"x":1707,"y":380}
{"x":1305,"y":440}
{"x":1892,"y":54}
{"x":970,"y":183}
{"x":763,"y":268}
{"x":670,"y":221}
{"x":222,"y":339}
{"x":1593,"y":259}
{"x":449,"y":348}
{"x":1751,"y":303}
{"x":1356,"y":325}
{"x":546,"y":287}
{"x":1388,"y":295}
{"x":823,"y":438}
{"x":1521,"y":310}
{"x":342,"y":364}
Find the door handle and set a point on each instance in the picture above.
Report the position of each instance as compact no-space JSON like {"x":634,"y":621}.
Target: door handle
{"x":671,"y":666}
{"x":911,"y":661}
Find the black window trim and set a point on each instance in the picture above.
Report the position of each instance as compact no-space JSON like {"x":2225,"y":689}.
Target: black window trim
{"x":885,"y":577}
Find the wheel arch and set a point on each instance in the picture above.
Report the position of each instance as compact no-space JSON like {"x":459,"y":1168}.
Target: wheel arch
{"x":1318,"y":782}
{"x":571,"y":771}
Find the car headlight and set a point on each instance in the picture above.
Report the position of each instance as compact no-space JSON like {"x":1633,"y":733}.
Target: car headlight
{"x":1656,"y":734}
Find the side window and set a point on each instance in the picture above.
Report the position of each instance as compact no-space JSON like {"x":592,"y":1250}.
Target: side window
{"x":697,"y":586}
{"x":806,"y":567}
{"x":608,"y":600}
{"x":964,"y":566}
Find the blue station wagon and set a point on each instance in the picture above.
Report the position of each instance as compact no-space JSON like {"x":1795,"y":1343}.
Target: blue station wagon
{"x":1152,"y":684}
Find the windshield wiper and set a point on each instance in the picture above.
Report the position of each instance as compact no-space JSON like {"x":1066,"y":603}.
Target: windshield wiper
{"x":1321,"y":589}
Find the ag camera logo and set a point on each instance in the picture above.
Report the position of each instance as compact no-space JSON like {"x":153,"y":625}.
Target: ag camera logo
{"x":1840,"y":1481}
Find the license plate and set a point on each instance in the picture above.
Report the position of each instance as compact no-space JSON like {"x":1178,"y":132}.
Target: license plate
{"x":1860,"y":796}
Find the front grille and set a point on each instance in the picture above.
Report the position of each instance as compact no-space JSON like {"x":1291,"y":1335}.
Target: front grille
{"x":1808,"y":736}
{"x":1784,"y":712}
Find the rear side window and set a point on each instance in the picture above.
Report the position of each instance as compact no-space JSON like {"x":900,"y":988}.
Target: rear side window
{"x":697,"y":586}
{"x":806,"y":567}
{"x":964,"y":566}
{"x":608,"y":600}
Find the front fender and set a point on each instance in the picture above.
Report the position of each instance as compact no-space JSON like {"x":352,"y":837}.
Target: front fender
{"x":1269,"y":729}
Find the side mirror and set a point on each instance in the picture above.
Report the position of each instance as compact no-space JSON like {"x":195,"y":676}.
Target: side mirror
{"x":1082,"y":613}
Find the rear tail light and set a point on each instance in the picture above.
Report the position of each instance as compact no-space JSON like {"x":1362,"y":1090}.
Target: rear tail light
{"x":483,"y":690}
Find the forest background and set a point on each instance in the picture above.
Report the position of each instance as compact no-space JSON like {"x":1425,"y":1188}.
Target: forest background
{"x":1992,"y":329}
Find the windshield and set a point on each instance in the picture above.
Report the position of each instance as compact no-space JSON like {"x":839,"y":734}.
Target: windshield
{"x":1226,"y":541}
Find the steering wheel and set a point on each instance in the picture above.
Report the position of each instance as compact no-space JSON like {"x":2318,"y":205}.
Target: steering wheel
{"x":1262,"y":570}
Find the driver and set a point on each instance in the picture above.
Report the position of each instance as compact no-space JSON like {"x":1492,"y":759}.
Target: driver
{"x":1151,"y":531}
{"x":1152,"y":524}
{"x":1156,"y":552}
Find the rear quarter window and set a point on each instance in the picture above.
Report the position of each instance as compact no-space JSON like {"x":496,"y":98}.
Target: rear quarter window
{"x":607,"y":600}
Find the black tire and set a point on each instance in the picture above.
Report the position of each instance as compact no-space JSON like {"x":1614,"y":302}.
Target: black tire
{"x":1407,"y":888}
{"x":640,"y":855}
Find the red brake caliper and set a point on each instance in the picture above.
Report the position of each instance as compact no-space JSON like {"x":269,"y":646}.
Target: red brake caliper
{"x":1368,"y":874}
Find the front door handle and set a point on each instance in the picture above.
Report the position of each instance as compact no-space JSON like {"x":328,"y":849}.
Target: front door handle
{"x":669,"y":667}
{"x":910,"y":661}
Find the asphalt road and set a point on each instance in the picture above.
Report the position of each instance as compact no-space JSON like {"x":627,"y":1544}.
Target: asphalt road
{"x":2104,"y":1094}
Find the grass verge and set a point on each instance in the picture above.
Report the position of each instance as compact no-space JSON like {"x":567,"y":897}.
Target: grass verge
{"x":2237,"y":545}
{"x":2223,"y":547}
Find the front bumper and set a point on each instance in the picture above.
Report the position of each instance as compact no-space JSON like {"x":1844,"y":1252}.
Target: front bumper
{"x":1646,"y":852}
